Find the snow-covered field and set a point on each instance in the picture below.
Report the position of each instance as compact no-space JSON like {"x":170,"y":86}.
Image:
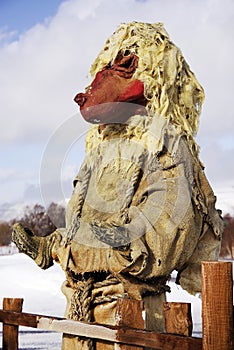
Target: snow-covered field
{"x":21,"y":278}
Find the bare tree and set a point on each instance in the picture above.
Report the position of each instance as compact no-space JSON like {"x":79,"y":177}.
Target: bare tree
{"x":227,"y":244}
{"x":5,"y":233}
{"x":42,"y":222}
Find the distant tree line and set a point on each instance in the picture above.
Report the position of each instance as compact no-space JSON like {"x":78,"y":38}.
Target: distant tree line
{"x":41,"y":222}
{"x":38,"y":219}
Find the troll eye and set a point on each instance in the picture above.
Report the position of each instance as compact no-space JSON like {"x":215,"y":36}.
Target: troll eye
{"x":127,"y":53}
{"x":126,"y":63}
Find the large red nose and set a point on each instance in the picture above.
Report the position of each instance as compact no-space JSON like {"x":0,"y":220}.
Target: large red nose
{"x":114,"y":94}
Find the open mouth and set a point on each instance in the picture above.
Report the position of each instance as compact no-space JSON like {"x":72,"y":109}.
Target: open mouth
{"x":112,"y":112}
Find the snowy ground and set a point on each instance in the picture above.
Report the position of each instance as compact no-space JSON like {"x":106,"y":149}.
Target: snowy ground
{"x":21,"y":278}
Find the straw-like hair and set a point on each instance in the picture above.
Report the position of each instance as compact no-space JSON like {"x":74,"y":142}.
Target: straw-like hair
{"x":170,"y":87}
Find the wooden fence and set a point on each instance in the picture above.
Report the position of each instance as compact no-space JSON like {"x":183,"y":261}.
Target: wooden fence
{"x":128,"y":334}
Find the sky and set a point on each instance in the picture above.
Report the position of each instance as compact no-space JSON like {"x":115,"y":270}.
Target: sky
{"x":46,"y":50}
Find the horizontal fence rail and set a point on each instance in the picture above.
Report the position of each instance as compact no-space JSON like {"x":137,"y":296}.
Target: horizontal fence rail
{"x":115,"y":334}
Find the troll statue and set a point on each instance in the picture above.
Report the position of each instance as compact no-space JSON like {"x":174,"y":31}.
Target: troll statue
{"x":141,"y":205}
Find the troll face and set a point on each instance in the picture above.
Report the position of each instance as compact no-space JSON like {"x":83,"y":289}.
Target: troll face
{"x":114,"y":95}
{"x":141,"y":71}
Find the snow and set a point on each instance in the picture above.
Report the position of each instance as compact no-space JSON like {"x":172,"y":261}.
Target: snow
{"x":8,"y":249}
{"x":22,"y":278}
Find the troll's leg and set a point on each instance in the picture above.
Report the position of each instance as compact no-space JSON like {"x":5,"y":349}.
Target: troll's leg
{"x":93,"y":299}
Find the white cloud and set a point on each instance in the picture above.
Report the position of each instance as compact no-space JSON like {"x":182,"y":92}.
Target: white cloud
{"x":6,"y":35}
{"x":43,"y":70}
{"x":6,"y":174}
{"x":9,"y":174}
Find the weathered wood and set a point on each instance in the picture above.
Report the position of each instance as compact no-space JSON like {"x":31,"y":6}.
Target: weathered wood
{"x":154,"y":313}
{"x":83,"y":329}
{"x":217,"y":306}
{"x":129,"y":313}
{"x":22,"y":318}
{"x":178,"y":318}
{"x":114,"y":334}
{"x":160,"y":341}
{"x":11,"y":333}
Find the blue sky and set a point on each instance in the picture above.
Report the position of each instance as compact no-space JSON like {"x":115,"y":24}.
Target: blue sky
{"x":21,"y":15}
{"x":46,"y":49}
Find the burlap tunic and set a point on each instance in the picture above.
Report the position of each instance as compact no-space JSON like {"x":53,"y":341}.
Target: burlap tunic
{"x":145,"y":209}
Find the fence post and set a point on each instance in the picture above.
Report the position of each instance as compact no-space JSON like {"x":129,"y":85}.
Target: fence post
{"x":129,"y":313}
{"x":178,"y":318}
{"x":10,"y":333}
{"x":217,"y":306}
